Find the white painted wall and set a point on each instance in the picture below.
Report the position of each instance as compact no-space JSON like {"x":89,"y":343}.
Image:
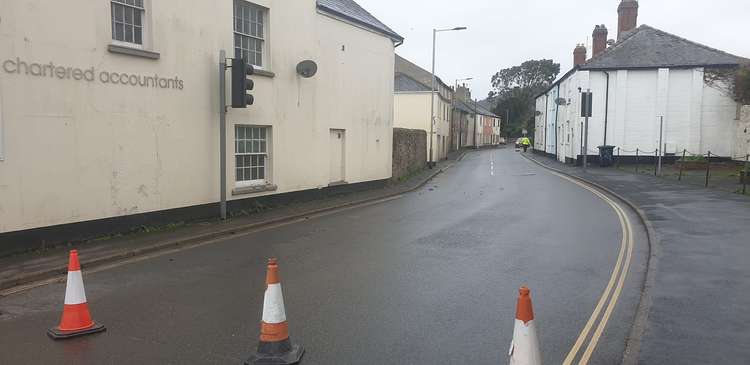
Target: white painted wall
{"x":719,"y":118}
{"x":412,"y":110}
{"x":77,"y":150}
{"x":539,"y":123}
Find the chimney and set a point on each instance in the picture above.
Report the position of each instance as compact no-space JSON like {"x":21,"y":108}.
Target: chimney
{"x":628,"y":17}
{"x":579,"y":55}
{"x":600,"y":39}
{"x":463,"y":93}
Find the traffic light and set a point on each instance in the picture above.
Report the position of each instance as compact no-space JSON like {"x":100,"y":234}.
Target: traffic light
{"x":241,"y":84}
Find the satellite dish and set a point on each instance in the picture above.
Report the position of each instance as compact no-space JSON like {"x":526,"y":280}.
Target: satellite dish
{"x":307,"y":68}
{"x":561,"y":101}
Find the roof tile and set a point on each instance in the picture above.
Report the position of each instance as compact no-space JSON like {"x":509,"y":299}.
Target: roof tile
{"x":647,"y":47}
{"x":354,"y":12}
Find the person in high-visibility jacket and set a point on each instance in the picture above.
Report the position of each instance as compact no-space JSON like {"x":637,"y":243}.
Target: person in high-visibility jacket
{"x":525,"y":143}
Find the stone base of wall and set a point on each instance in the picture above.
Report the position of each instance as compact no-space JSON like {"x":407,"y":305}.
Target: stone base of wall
{"x":409,"y":151}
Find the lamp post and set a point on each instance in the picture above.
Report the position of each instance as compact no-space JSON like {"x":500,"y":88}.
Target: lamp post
{"x":432,"y":90}
{"x":460,"y":122}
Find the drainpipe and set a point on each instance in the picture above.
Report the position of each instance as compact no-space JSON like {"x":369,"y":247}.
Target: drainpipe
{"x":476,"y":122}
{"x":546,"y":108}
{"x":557,"y":130}
{"x":606,"y":109}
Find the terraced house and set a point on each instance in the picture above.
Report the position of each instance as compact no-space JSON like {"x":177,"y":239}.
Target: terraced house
{"x":412,"y":96}
{"x":112,"y":120}
{"x":651,"y":90}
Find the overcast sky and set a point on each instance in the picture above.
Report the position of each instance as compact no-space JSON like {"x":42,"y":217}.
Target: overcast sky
{"x":504,"y":33}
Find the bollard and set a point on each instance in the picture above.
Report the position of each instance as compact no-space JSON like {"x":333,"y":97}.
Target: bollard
{"x":746,"y":177}
{"x":618,"y":157}
{"x":682,"y":164}
{"x":636,"y":161}
{"x":708,"y":167}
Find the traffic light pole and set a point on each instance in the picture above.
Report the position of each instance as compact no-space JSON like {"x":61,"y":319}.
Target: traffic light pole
{"x":588,"y":107}
{"x":223,"y":133}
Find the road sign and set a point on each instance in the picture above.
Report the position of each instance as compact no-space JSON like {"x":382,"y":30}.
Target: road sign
{"x":587,"y":101}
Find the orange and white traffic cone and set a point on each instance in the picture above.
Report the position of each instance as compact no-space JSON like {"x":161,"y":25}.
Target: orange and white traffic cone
{"x":76,"y":319}
{"x":524,"y":349}
{"x":275,"y":347}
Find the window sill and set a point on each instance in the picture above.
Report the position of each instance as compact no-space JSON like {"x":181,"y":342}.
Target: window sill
{"x":130,"y":51}
{"x":253,"y":189}
{"x":264,"y":73}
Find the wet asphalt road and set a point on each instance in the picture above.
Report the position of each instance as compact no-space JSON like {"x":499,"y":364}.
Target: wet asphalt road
{"x":428,"y":278}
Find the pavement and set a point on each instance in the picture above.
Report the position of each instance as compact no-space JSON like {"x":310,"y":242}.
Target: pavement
{"x":695,"y":308}
{"x":428,"y":277}
{"x":29,"y":267}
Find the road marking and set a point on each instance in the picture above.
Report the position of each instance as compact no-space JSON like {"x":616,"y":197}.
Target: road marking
{"x":61,"y":278}
{"x":615,"y":296}
{"x":492,"y":164}
{"x":620,"y":271}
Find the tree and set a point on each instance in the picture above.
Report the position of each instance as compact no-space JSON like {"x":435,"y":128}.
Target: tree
{"x":514,"y":90}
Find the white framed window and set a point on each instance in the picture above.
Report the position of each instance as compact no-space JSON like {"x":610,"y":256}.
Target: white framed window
{"x":251,"y":144}
{"x":250,"y":32}
{"x":128,"y":19}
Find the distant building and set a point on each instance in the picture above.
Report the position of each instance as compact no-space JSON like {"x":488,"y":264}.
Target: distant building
{"x":411,"y":108}
{"x":490,"y":123}
{"x":646,"y":75}
{"x":463,"y":122}
{"x":473,"y":124}
{"x":114,"y":112}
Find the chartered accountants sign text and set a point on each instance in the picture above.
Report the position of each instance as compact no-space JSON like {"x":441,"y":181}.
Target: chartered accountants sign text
{"x":91,"y":74}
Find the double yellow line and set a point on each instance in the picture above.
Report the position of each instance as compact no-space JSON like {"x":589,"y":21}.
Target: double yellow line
{"x":614,"y":287}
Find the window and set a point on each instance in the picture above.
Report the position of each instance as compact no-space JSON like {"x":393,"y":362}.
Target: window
{"x":127,"y":21}
{"x":249,"y":32}
{"x":251,"y":154}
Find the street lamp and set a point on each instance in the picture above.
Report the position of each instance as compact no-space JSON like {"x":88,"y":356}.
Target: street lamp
{"x":432,"y":90}
{"x":460,"y":122}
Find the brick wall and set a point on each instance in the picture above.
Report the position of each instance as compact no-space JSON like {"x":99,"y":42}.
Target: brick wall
{"x":409,"y":151}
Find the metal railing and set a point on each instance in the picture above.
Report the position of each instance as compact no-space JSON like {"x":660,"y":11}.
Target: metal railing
{"x":707,"y":162}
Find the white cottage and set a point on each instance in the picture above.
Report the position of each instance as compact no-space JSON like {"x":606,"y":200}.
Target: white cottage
{"x":646,"y":77}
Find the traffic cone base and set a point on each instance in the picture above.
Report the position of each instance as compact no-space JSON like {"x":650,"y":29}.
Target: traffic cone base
{"x":277,"y":353}
{"x":58,"y":334}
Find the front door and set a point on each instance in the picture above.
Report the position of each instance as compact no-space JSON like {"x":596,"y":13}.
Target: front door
{"x":336,"y":164}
